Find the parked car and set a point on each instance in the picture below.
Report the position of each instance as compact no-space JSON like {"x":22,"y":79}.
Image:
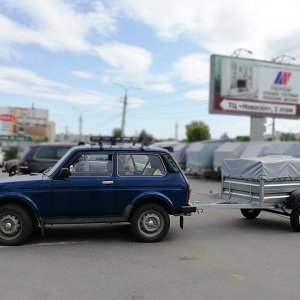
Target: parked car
{"x":40,"y":157}
{"x":2,"y":155}
{"x":11,"y":167}
{"x":88,"y":185}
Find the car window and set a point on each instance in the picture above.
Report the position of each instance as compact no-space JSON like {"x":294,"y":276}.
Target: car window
{"x":61,"y":152}
{"x":91,"y":165}
{"x":140,"y":165}
{"x":45,"y":153}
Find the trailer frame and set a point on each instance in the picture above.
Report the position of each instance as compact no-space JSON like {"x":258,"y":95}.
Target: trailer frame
{"x":252,"y":196}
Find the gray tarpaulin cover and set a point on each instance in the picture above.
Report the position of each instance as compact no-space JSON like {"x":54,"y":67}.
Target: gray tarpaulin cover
{"x":267,"y":167}
{"x":200,"y":154}
{"x":256,"y":149}
{"x":229,"y":150}
{"x":283,"y":148}
{"x":179,"y":153}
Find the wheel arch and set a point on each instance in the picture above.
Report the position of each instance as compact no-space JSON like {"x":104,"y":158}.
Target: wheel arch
{"x":130,"y":209}
{"x":24,"y":204}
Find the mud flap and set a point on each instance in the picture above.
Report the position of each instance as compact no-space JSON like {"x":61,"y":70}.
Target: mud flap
{"x":181,"y":222}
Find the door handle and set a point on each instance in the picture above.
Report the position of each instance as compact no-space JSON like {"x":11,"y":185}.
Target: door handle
{"x":107,"y":182}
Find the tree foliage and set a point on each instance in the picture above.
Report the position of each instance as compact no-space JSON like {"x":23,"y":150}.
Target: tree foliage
{"x":145,"y":137}
{"x":197,"y":131}
{"x":288,"y":137}
{"x":117,"y":133}
{"x":224,"y":136}
{"x":242,"y":138}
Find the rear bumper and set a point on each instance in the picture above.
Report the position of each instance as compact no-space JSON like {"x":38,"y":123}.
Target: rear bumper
{"x":188,"y":210}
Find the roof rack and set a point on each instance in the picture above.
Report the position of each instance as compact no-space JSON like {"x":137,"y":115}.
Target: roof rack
{"x":108,"y":140}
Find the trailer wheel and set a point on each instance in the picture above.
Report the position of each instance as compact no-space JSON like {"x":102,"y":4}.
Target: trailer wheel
{"x":295,"y":218}
{"x":250,"y":213}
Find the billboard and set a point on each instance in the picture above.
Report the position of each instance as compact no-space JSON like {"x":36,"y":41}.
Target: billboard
{"x":23,"y":124}
{"x":240,"y":86}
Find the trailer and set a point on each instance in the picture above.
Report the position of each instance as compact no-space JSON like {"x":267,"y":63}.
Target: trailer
{"x":270,"y":183}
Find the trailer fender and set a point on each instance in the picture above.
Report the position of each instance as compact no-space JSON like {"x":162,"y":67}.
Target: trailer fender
{"x":293,"y":200}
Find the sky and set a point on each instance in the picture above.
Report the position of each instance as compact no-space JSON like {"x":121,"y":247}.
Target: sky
{"x":79,"y":58}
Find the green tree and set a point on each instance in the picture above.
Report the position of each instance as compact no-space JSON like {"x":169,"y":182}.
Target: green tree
{"x":197,"y":131}
{"x":288,"y":137}
{"x":145,"y":137}
{"x":242,"y":138}
{"x":224,"y":136}
{"x":117,"y":133}
{"x":11,"y":153}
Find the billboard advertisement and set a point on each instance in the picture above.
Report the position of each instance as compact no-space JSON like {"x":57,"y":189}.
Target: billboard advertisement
{"x":23,"y":124}
{"x":250,"y":87}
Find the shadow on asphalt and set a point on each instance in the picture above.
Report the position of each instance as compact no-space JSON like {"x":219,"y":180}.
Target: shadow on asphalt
{"x":82,"y":233}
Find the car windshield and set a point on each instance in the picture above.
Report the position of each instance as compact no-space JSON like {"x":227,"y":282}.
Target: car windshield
{"x":51,"y":170}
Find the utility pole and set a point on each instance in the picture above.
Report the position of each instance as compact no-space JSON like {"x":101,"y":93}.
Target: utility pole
{"x":124,"y":106}
{"x":80,"y":122}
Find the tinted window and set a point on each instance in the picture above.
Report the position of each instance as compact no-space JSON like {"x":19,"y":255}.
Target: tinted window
{"x":61,"y":152}
{"x":45,"y":153}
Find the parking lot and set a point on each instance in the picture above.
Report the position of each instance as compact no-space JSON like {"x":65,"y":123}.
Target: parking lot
{"x":218,"y":255}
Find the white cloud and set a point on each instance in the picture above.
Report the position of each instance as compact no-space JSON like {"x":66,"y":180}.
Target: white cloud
{"x":16,"y":81}
{"x":161,"y":87}
{"x":193,"y":68}
{"x":201,"y":95}
{"x":129,"y":59}
{"x":221,"y":26}
{"x":82,"y":74}
{"x":55,"y":25}
{"x":26,"y":77}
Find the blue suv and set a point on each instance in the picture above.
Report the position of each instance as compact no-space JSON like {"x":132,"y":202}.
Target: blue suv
{"x":97,"y":184}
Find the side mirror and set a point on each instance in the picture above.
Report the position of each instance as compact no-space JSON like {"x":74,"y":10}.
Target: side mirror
{"x":64,"y":173}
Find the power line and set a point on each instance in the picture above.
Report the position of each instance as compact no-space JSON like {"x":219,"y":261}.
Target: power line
{"x":166,"y":89}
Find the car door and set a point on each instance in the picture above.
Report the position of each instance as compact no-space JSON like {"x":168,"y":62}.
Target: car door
{"x":148,"y":177}
{"x":88,"y":192}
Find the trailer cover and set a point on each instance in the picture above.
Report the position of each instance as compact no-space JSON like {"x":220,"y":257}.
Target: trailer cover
{"x":266,"y":168}
{"x":283,"y":148}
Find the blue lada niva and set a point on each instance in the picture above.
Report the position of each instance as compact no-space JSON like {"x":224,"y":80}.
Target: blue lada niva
{"x":97,"y":184}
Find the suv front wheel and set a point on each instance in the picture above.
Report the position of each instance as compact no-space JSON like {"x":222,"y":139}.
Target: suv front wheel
{"x":15,"y":225}
{"x":150,"y":223}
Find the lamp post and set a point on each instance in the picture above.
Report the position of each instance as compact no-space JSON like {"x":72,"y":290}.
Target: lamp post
{"x":124,"y":106}
{"x":281,"y":58}
{"x":80,"y":122}
{"x":238,"y":51}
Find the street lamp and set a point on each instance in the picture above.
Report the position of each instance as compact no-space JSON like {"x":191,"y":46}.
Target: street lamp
{"x":238,"y":51}
{"x":80,"y":122}
{"x":124,"y":105}
{"x":282,"y":57}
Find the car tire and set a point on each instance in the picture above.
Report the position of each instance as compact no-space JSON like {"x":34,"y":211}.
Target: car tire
{"x":250,"y":213}
{"x":13,"y":171}
{"x":150,"y":223}
{"x":15,"y":225}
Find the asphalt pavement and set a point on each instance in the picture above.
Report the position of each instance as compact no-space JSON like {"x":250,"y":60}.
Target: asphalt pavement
{"x":218,"y":255}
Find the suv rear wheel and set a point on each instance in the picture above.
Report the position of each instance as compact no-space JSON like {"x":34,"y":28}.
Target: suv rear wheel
{"x":150,"y":223}
{"x":15,"y":225}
